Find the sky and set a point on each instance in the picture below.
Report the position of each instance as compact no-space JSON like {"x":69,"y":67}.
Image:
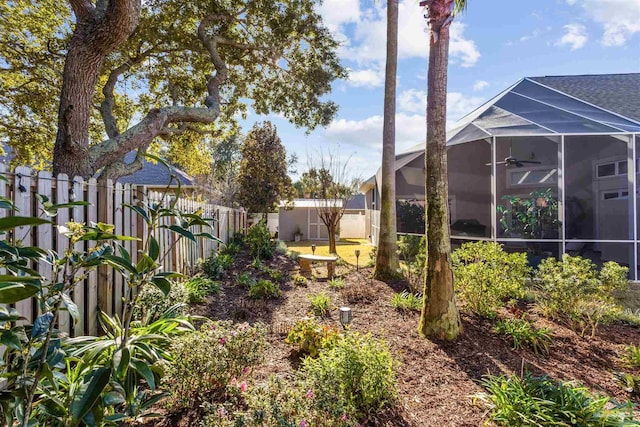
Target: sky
{"x":494,"y":43}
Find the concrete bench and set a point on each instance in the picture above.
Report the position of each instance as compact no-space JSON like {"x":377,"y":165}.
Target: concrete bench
{"x":306,"y":260}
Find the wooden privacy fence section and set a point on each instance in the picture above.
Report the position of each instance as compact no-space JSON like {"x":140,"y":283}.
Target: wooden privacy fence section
{"x":103,"y":288}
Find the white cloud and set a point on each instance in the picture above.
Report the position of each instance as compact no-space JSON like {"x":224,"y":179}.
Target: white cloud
{"x":480,"y":85}
{"x":619,"y":19}
{"x":462,"y":49}
{"x":458,"y":104}
{"x":368,"y":44}
{"x":410,"y":130}
{"x":372,"y":77}
{"x":575,"y":36}
{"x":336,"y":13}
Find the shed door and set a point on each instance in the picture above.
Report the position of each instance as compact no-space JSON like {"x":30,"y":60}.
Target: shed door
{"x":317,"y":230}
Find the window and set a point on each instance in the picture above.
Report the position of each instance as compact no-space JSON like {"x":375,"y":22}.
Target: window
{"x":532,"y":177}
{"x":615,"y":195}
{"x":609,"y":169}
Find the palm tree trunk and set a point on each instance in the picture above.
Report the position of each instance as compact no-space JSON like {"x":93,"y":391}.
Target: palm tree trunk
{"x":439,"y":317}
{"x":387,"y":256}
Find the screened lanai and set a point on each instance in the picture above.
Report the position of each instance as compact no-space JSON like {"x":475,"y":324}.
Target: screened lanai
{"x":550,"y":166}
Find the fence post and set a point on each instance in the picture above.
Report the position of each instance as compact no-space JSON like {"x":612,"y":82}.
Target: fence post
{"x":22,"y":200}
{"x":62,"y":242}
{"x":92,"y":280}
{"x":105,"y":273}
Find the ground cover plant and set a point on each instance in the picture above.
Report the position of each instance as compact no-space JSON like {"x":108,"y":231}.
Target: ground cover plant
{"x":320,"y":304}
{"x":309,"y":337}
{"x":264,"y":288}
{"x":540,"y":401}
{"x":199,"y":288}
{"x":406,"y":301}
{"x":524,"y":334}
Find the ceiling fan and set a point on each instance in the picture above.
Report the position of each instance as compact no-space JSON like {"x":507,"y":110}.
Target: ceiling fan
{"x":512,"y":161}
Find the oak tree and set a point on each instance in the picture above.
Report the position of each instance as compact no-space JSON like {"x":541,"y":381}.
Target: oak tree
{"x":91,"y":80}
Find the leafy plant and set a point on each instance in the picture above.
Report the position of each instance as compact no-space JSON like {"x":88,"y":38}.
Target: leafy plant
{"x":630,"y":382}
{"x":337,"y":283}
{"x":300,"y":280}
{"x":539,"y":401}
{"x":259,"y":241}
{"x":631,"y":357}
{"x":412,"y":250}
{"x":485,"y":276}
{"x":246,"y":280}
{"x":200,"y":287}
{"x":320,"y":304}
{"x":216,"y":264}
{"x":406,"y":302}
{"x":264,"y":289}
{"x":151,"y":302}
{"x":355,"y":377}
{"x":310,"y":337}
{"x":49,"y":380}
{"x":574,"y":290}
{"x":206,"y":361}
{"x":231,"y":249}
{"x":523,"y":333}
{"x":531,"y":217}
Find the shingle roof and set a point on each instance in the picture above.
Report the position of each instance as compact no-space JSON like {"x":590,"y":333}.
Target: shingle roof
{"x":154,"y":174}
{"x":356,"y":202}
{"x":619,"y":93}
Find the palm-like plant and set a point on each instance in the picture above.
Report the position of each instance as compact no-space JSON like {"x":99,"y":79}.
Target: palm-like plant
{"x":440,"y":317}
{"x":386,"y":256}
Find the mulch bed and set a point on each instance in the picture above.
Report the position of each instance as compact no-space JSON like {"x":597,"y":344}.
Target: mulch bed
{"x":436,"y":380}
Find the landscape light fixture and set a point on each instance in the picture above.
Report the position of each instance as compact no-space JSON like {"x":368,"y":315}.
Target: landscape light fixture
{"x":313,"y":249}
{"x":357,"y":259}
{"x":345,"y":316}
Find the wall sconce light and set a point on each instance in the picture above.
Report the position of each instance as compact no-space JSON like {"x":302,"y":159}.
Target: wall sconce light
{"x":313,"y":249}
{"x":357,"y":259}
{"x":345,"y":316}
{"x":72,"y":193}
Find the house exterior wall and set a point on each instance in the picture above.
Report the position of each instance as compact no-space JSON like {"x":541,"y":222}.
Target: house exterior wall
{"x":353,"y":226}
{"x":289,"y":220}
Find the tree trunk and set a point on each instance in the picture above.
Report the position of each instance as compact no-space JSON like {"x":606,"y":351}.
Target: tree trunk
{"x":332,"y":239}
{"x":97,"y":33}
{"x":387,"y":256}
{"x":439,"y":317}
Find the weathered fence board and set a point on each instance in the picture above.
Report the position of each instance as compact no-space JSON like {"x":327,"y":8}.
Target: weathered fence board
{"x":104,"y":289}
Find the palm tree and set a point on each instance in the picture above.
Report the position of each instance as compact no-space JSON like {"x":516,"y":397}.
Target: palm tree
{"x":387,"y":256}
{"x":440,"y":317}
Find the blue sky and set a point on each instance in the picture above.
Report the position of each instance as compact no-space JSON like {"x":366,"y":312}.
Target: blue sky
{"x":493,"y":44}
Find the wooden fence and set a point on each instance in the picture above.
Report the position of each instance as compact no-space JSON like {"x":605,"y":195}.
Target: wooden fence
{"x":103,"y":289}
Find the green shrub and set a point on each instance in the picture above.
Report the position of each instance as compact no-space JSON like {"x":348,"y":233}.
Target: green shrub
{"x":486,"y":276}
{"x":237,"y":239}
{"x":259,"y":241}
{"x":539,"y":401}
{"x":206,"y":361}
{"x":632,"y":356}
{"x":280,"y":247}
{"x":355,"y":377}
{"x":405,"y":302}
{"x":200,"y":288}
{"x":246,"y":280}
{"x":574,"y":290}
{"x":231,"y":249}
{"x":628,"y":316}
{"x":300,"y":280}
{"x":337,"y":283}
{"x":523,"y":333}
{"x":274,"y":275}
{"x":372,"y":256}
{"x":216,"y":264}
{"x":413,"y":251}
{"x":152,"y":303}
{"x":309,"y":337}
{"x":320,"y":304}
{"x":264,"y":289}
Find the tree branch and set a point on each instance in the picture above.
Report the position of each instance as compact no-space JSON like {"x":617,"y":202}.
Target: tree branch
{"x":120,"y":168}
{"x":82,"y":9}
